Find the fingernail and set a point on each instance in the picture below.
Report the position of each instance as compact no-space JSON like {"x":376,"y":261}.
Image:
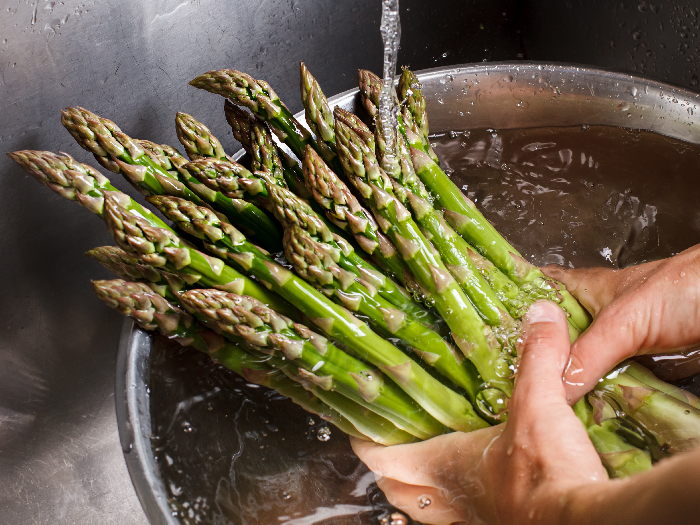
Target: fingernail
{"x":542,"y":312}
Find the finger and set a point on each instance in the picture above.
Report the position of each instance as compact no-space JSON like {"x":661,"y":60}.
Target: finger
{"x":615,"y":335}
{"x":593,"y":287}
{"x":423,"y":504}
{"x":543,"y":356}
{"x":429,"y":462}
{"x":540,"y":420}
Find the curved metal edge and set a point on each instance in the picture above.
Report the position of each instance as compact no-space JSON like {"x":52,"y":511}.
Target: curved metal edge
{"x":134,"y":422}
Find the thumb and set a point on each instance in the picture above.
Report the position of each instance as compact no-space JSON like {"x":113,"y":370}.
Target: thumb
{"x":543,"y":357}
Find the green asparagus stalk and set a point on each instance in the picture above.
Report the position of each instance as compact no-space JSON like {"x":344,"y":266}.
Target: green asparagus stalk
{"x":620,"y":458}
{"x":196,"y":138}
{"x":241,"y":123}
{"x":442,"y":403}
{"x":670,"y":424}
{"x":132,"y":269}
{"x":85,"y":185}
{"x":119,"y":153}
{"x":475,"y":339}
{"x":317,"y":262}
{"x":290,"y":210}
{"x":462,"y":214}
{"x":258,"y":97}
{"x":344,"y":210}
{"x":230,"y":179}
{"x":453,"y":249}
{"x":410,"y":94}
{"x":152,"y":312}
{"x":314,"y":358}
{"x":641,"y":373}
{"x":318,"y":114}
{"x":370,"y":88}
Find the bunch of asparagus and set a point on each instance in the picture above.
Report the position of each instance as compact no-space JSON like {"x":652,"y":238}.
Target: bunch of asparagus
{"x":399,"y":316}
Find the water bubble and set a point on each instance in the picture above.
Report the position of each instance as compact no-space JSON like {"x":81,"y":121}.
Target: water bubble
{"x":311,"y":422}
{"x":424,"y":501}
{"x":323,"y":434}
{"x":187,"y":428}
{"x":286,"y":495}
{"x":441,"y":101}
{"x":396,"y":518}
{"x":687,"y":412}
{"x":585,"y":127}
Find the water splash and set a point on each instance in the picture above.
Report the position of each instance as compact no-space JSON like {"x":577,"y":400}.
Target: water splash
{"x":388,"y":105}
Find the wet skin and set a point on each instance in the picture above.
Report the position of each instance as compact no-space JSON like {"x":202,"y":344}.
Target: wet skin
{"x":540,"y":467}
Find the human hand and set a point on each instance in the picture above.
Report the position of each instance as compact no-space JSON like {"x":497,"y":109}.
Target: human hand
{"x":520,"y":472}
{"x":650,"y":308}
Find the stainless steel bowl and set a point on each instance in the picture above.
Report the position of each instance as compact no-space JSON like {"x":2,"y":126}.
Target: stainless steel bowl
{"x":501,"y":96}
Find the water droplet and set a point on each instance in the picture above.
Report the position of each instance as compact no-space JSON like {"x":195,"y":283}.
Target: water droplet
{"x":424,"y":501}
{"x":187,"y":428}
{"x":510,"y":450}
{"x":323,"y":434}
{"x":687,"y":411}
{"x":441,"y":101}
{"x":311,"y":422}
{"x":286,"y":495}
{"x":682,"y":274}
{"x":585,"y":127}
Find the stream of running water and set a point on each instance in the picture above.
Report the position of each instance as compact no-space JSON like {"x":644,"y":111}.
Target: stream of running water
{"x":388,"y":103}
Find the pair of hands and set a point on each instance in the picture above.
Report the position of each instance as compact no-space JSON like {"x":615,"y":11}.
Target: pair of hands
{"x":540,"y":467}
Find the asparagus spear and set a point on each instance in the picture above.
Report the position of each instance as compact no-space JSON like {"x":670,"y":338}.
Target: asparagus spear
{"x":132,"y":269}
{"x":317,"y":262}
{"x":242,"y":124}
{"x":410,"y":94}
{"x":453,"y":249}
{"x":230,"y":179}
{"x":318,"y":114}
{"x":620,"y":458}
{"x":196,"y":138}
{"x":258,"y":97}
{"x":443,"y":404}
{"x":289,"y":209}
{"x":344,"y":210}
{"x":322,"y":363}
{"x":473,"y":337}
{"x":463,"y":216}
{"x":119,"y":153}
{"x":152,"y":312}
{"x":670,"y":424}
{"x":370,"y":88}
{"x":82,"y":183}
{"x":640,"y":373}
{"x":413,"y":124}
